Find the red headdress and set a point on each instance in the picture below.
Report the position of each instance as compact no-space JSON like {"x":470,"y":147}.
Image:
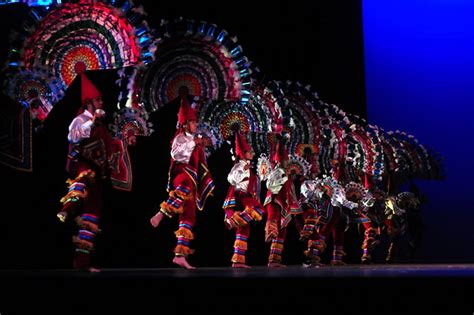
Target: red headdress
{"x":367,"y":181}
{"x":88,"y":89}
{"x":278,"y":152}
{"x":241,"y":145}
{"x":186,"y":112}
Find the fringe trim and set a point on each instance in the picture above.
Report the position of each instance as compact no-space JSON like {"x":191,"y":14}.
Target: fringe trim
{"x":85,"y":177}
{"x":338,"y":253}
{"x":311,"y":221}
{"x":248,"y":212}
{"x":239,"y":221}
{"x":184,"y":232}
{"x":369,"y":243}
{"x":69,"y":200}
{"x":79,"y":250}
{"x":274,"y":258}
{"x":276,"y":250}
{"x":366,"y":258}
{"x":238,"y":259}
{"x":181,"y":195}
{"x":70,"y":207}
{"x":253,"y":213}
{"x":369,"y":240}
{"x":82,"y":244}
{"x":230,"y":223}
{"x":88,"y":175}
{"x":183,"y":250}
{"x":169,"y":211}
{"x":318,"y":244}
{"x":277,"y":246}
{"x":314,"y":258}
{"x":73,"y":194}
{"x":306,"y":232}
{"x":271,"y":230}
{"x":240,"y":244}
{"x":86,"y":225}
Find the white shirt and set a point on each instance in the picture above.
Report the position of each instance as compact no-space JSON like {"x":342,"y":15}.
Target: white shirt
{"x":339,"y":198}
{"x":238,"y":177}
{"x":182,"y":147}
{"x":276,"y":179}
{"x":80,"y":127}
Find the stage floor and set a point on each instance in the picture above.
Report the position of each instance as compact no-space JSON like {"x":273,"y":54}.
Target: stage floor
{"x":446,"y":288}
{"x":326,"y":271}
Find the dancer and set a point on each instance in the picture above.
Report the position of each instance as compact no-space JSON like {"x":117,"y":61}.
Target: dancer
{"x":90,"y":157}
{"x":280,"y":203}
{"x":189,"y":182}
{"x":241,"y":205}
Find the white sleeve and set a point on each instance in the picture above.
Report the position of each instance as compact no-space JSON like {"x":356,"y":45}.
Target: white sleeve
{"x":349,"y":204}
{"x":338,"y":196}
{"x":339,"y":199}
{"x":79,"y":130}
{"x":276,"y":180}
{"x":182,"y":148}
{"x":237,"y":174}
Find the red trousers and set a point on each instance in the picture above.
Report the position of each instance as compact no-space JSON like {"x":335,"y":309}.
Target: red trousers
{"x":182,"y":201}
{"x":274,"y":226}
{"x":334,"y":227}
{"x":87,"y":211}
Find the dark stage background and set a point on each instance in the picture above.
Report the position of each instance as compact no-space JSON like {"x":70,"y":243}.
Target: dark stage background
{"x":315,"y":42}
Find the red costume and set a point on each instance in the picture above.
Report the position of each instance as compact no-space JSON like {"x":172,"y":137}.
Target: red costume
{"x":93,"y":157}
{"x":189,"y":181}
{"x":280,"y":203}
{"x":241,"y":204}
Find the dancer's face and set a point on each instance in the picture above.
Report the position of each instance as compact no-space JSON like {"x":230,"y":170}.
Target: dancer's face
{"x":248,"y":155}
{"x":191,"y":126}
{"x":97,"y":103}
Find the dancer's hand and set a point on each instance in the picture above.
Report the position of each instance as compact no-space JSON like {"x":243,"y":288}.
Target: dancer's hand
{"x":99,"y":114}
{"x":198,"y":140}
{"x":207,"y":141}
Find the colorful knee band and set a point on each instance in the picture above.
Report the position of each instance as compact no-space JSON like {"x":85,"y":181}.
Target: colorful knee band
{"x":174,"y":204}
{"x":240,"y":248}
{"x":276,"y":250}
{"x":184,"y":235}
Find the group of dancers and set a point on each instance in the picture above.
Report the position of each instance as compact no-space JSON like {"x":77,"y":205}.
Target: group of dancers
{"x":320,"y":205}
